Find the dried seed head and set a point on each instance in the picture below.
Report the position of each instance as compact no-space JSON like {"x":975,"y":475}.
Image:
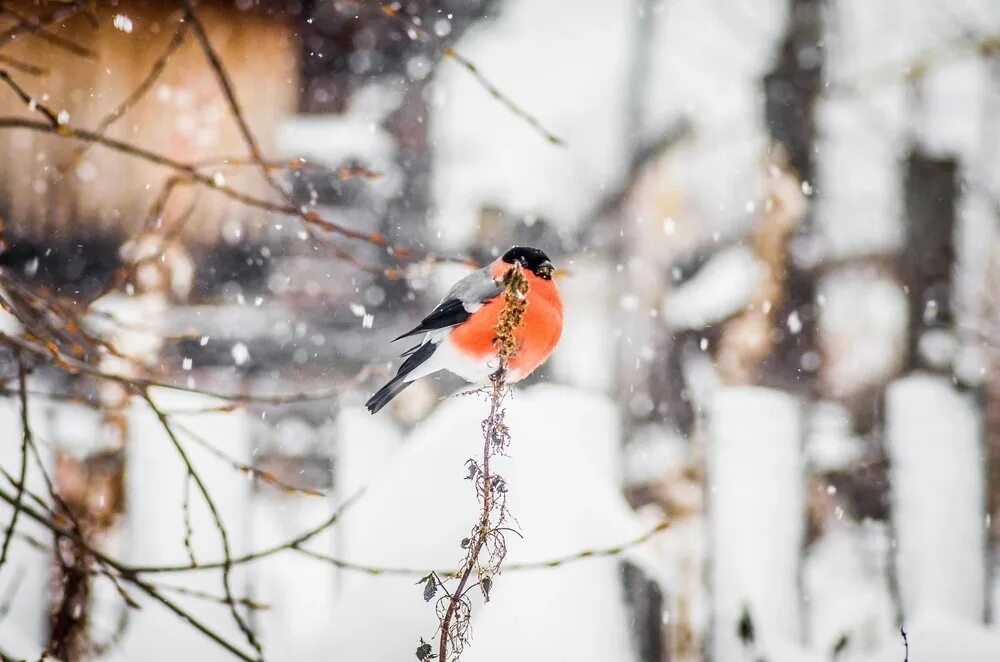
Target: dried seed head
{"x":516,"y":302}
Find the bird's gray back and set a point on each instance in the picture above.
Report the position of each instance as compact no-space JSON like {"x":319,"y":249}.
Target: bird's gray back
{"x":475,"y":288}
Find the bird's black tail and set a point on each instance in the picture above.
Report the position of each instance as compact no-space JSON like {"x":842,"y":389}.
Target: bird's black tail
{"x":385,"y":394}
{"x":397,"y":384}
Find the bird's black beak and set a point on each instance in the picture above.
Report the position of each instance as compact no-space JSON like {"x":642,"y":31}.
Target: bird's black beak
{"x":545,"y":269}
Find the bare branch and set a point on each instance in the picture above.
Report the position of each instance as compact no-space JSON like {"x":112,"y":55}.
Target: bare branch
{"x":49,"y":521}
{"x":37,"y":27}
{"x":414,"y":30}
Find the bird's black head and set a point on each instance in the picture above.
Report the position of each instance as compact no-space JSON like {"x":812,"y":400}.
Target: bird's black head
{"x":531,"y":259}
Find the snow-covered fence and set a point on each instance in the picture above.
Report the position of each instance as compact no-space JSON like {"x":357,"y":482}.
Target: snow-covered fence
{"x":934,"y":440}
{"x":756,"y":521}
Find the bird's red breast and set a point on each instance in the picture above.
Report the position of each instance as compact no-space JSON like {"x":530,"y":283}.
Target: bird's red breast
{"x":537,"y":335}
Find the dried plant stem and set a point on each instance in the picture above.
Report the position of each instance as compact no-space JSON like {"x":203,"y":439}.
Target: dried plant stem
{"x":483,"y":529}
{"x":490,"y":486}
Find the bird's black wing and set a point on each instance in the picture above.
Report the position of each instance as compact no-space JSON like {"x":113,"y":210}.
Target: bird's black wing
{"x":462,"y":300}
{"x":450,"y":312}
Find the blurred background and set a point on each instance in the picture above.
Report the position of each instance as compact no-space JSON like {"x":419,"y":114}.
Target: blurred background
{"x":771,"y":430}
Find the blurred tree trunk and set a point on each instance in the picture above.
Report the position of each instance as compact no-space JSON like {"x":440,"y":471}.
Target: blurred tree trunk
{"x":928,"y":259}
{"x":991,"y":424}
{"x":792,"y":87}
{"x":791,"y":91}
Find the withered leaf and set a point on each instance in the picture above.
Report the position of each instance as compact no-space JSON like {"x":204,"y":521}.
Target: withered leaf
{"x":430,"y":586}
{"x":424,"y":651}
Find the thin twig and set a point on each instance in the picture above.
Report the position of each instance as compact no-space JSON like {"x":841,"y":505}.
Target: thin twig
{"x":29,"y":100}
{"x":216,"y":517}
{"x":37,"y":26}
{"x":138,"y":93}
{"x":242,"y":467}
{"x":25,"y":442}
{"x":215,"y":62}
{"x":188,"y":530}
{"x":74,"y":366}
{"x":290,"y":545}
{"x":456,"y":633}
{"x":375,"y":570}
{"x":412,"y":28}
{"x":502,"y":98}
{"x":23,"y":67}
{"x":210,"y":597}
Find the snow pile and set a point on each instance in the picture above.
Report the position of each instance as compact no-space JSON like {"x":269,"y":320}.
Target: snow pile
{"x":845,"y":581}
{"x":298,"y":591}
{"x":933,"y":439}
{"x":862,"y":329}
{"x":564,"y":498}
{"x":859,"y":210}
{"x":867,"y":119}
{"x":830,"y":443}
{"x":945,"y":127}
{"x":937,"y":635}
{"x":756,"y":520}
{"x":723,"y":287}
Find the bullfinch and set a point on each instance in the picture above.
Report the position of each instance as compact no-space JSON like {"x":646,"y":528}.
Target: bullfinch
{"x":459,"y":334}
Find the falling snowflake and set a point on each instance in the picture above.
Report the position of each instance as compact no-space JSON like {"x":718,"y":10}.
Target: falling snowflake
{"x":123,"y":23}
{"x":794,"y":322}
{"x":240,"y":353}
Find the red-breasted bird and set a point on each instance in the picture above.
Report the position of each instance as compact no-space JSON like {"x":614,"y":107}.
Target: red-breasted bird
{"x":459,"y":333}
